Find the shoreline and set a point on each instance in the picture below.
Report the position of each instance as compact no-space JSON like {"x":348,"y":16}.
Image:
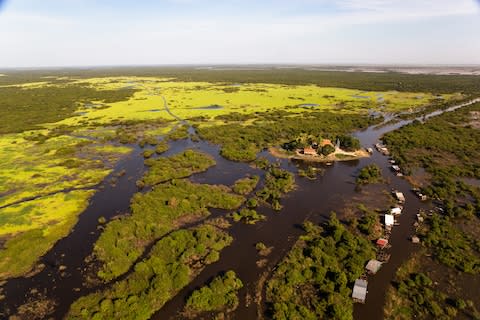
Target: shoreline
{"x":277,"y":152}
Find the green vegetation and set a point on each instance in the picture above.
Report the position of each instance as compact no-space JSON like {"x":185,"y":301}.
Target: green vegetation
{"x":447,"y":148}
{"x":154,"y":214}
{"x":219,"y":295}
{"x":162,"y":147}
{"x":246,"y":185}
{"x":327,"y":149}
{"x":349,"y":143}
{"x":24,"y":109}
{"x":178,"y":166}
{"x":251,"y":203}
{"x":31,"y":228}
{"x":179,"y":133}
{"x":451,"y":246}
{"x":248,"y":215}
{"x":260,"y":246}
{"x":277,"y":182}
{"x":416,"y":295}
{"x":294,"y":76}
{"x":369,"y":223}
{"x":310,"y":172}
{"x":148,"y":153}
{"x":369,"y":174}
{"x":74,"y":116}
{"x":419,"y":289}
{"x":148,"y":140}
{"x":445,"y":145}
{"x":314,"y":281}
{"x":242,"y":142}
{"x":172,"y":263}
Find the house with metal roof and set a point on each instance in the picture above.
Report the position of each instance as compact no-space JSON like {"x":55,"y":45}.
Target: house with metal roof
{"x":359,"y":293}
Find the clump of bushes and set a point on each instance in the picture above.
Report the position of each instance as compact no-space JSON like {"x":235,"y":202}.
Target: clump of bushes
{"x":246,"y":185}
{"x":162,"y":147}
{"x":369,"y":174}
{"x":349,"y":143}
{"x":327,"y":150}
{"x":248,"y":215}
{"x":179,"y":134}
{"x":178,"y":166}
{"x":219,"y":295}
{"x":310,"y":172}
{"x":148,"y":153}
{"x":150,"y":140}
{"x":277,"y":183}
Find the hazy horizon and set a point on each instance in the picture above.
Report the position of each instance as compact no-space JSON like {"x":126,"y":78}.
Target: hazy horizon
{"x":109,"y":33}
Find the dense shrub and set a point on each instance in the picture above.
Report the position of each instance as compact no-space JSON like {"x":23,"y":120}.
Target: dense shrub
{"x":219,"y":295}
{"x":369,"y":174}
{"x":277,"y":182}
{"x":314,"y":281}
{"x":154,"y":214}
{"x":246,"y":185}
{"x":172,"y":263}
{"x":178,"y":166}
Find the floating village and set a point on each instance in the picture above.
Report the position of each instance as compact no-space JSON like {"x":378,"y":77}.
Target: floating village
{"x":390,"y":217}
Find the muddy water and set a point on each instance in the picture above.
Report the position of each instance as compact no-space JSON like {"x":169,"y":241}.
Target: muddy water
{"x":313,"y":200}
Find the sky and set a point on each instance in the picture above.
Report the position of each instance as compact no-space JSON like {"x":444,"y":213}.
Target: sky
{"x":42,"y":33}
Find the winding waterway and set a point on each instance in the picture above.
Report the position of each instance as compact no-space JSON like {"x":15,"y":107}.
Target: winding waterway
{"x":312,"y":200}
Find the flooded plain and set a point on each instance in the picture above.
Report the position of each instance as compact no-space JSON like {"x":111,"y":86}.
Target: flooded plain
{"x":62,"y":277}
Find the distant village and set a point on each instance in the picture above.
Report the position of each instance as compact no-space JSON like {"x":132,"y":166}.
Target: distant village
{"x":360,"y":288}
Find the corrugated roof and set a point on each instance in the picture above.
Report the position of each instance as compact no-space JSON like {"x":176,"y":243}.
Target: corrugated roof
{"x":373,"y":266}
{"x":360,"y":290}
{"x":389,"y":220}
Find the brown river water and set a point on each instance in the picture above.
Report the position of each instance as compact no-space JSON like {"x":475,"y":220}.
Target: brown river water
{"x":312,"y":200}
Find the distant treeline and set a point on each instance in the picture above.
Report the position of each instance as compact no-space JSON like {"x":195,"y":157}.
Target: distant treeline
{"x":24,"y":109}
{"x":292,"y":76}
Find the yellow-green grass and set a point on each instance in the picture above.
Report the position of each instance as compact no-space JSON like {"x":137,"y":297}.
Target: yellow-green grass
{"x":100,"y":133}
{"x":45,"y":172}
{"x":189,"y":99}
{"x":111,"y":149}
{"x":184,"y":99}
{"x":30,"y":85}
{"x":29,"y":169}
{"x":31,"y":228}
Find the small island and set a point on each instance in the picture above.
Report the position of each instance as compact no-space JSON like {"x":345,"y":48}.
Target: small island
{"x":317,"y":149}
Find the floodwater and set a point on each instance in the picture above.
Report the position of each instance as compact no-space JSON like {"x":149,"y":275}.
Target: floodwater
{"x":360,"y":97}
{"x":311,"y":200}
{"x":309,"y":105}
{"x":212,"y":107}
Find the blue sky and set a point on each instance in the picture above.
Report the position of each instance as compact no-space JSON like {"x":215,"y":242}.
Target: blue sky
{"x":36,"y":33}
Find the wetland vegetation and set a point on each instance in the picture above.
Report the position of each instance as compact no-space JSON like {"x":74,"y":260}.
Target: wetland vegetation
{"x":431,"y":284}
{"x":155,"y":213}
{"x":369,"y":174}
{"x":171,"y":264}
{"x":64,"y":134}
{"x":179,"y":166}
{"x":219,"y":295}
{"x":314,"y":280}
